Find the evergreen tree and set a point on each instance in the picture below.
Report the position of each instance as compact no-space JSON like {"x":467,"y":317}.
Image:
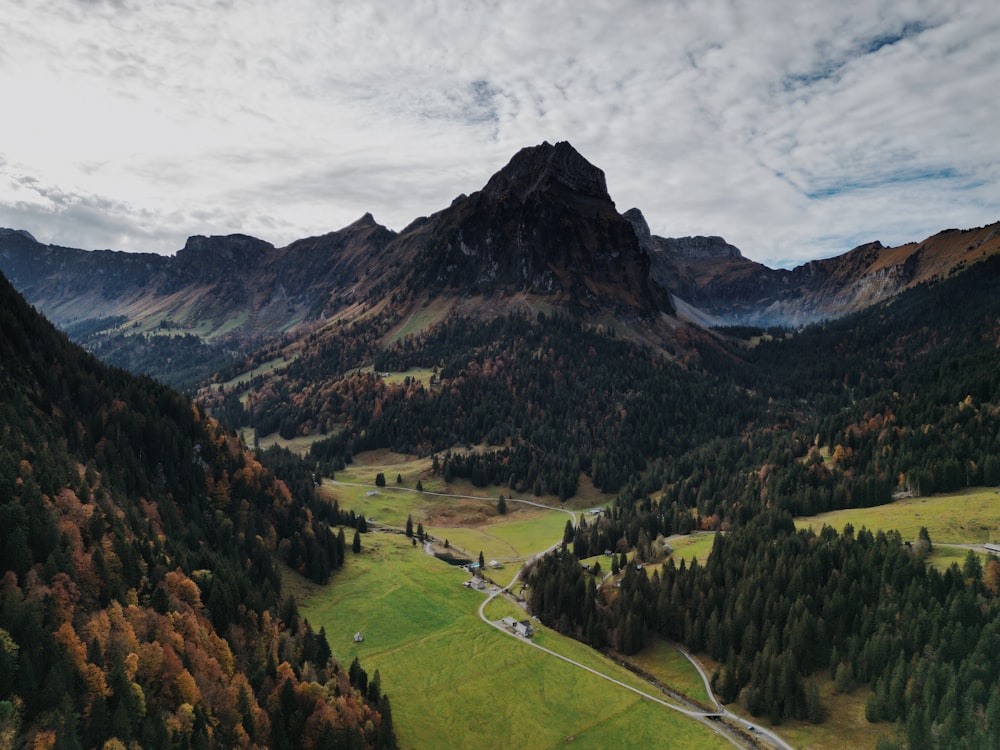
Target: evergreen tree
{"x":356,"y":544}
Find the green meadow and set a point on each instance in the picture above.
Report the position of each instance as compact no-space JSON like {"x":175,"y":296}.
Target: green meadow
{"x":455,"y":681}
{"x":971,"y":516}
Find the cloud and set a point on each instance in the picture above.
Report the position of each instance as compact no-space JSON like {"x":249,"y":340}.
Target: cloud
{"x":793,"y":130}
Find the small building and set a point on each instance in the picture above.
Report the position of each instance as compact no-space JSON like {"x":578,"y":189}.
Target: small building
{"x":476,"y":583}
{"x":371,"y":493}
{"x":358,"y":638}
{"x":522,"y":628}
{"x":495,"y":565}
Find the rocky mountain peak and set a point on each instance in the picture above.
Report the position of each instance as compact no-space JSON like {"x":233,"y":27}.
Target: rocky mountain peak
{"x":700,"y":248}
{"x":544,"y":167}
{"x":634,"y":217}
{"x":235,"y":248}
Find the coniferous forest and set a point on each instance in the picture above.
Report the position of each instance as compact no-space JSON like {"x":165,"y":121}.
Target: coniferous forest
{"x":141,"y":600}
{"x":141,"y":539}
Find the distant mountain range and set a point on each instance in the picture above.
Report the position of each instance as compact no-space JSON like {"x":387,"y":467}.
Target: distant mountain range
{"x":543,"y":233}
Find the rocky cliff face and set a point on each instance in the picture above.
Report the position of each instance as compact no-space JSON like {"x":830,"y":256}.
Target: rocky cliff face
{"x":544,"y":225}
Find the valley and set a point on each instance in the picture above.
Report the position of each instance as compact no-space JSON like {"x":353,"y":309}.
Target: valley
{"x":801,"y":507}
{"x":420,"y":631}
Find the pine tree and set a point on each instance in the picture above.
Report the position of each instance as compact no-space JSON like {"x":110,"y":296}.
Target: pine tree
{"x":356,"y":544}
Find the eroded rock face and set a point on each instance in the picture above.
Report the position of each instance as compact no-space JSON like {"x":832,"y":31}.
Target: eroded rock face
{"x":544,"y":224}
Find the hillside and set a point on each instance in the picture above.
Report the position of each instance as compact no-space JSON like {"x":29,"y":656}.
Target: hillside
{"x":140,"y":596}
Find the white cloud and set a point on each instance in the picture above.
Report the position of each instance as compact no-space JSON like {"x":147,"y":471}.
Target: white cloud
{"x":793,"y":129}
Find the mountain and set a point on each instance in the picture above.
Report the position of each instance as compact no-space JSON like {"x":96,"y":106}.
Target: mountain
{"x":712,"y":283}
{"x":140,"y":592}
{"x":542,"y":236}
{"x":543,"y":228}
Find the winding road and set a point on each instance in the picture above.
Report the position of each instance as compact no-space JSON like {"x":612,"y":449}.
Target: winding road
{"x":735,"y":729}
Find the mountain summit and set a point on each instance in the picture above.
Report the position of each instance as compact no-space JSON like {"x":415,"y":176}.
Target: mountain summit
{"x":543,"y":225}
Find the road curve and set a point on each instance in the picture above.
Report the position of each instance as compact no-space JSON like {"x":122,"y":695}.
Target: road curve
{"x":705,"y":717}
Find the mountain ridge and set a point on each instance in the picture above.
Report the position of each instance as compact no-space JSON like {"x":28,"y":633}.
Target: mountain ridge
{"x":542,"y":232}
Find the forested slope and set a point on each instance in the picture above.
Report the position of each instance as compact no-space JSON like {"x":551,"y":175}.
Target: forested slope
{"x":904,"y":398}
{"x":140,"y":597}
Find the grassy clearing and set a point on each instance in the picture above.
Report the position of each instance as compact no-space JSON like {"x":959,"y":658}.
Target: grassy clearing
{"x":420,"y":374}
{"x":971,"y":516}
{"x":420,"y":320}
{"x":263,"y":369}
{"x":299,"y":445}
{"x":455,"y":681}
{"x":662,"y":660}
{"x":845,"y":724}
{"x":692,"y":545}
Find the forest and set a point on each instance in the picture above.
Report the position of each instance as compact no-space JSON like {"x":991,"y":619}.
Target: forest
{"x":141,"y":601}
{"x":141,"y":539}
{"x":860,"y":421}
{"x":774,"y":606}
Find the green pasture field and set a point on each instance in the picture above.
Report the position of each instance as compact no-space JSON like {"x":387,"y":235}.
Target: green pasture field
{"x":299,"y":445}
{"x":691,"y":545}
{"x":501,"y":607}
{"x":419,"y":321}
{"x":262,"y":369}
{"x":420,"y":374}
{"x":662,"y":660}
{"x":971,"y":516}
{"x":509,"y":539}
{"x":455,"y":681}
{"x":845,"y":725}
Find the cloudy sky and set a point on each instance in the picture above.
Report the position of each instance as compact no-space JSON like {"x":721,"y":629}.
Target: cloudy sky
{"x":796,"y":129}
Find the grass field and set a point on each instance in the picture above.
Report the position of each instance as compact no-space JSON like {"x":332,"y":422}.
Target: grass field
{"x":662,"y":660}
{"x":692,"y":545}
{"x":971,"y":516}
{"x":845,"y":725}
{"x":419,"y":321}
{"x":457,"y":682}
{"x":454,"y":681}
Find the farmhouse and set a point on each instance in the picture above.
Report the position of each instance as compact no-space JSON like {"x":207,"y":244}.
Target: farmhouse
{"x":476,"y":583}
{"x":522,"y":628}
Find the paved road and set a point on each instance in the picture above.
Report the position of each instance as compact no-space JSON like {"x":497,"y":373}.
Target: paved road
{"x":711,"y":719}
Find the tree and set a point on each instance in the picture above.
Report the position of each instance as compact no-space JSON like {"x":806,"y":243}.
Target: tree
{"x":356,"y":544}
{"x":399,"y":480}
{"x":923,"y":547}
{"x":482,"y":561}
{"x":568,"y":533}
{"x":502,"y":506}
{"x":409,"y":526}
{"x":420,"y":532}
{"x":380,"y":480}
{"x":420,"y":486}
